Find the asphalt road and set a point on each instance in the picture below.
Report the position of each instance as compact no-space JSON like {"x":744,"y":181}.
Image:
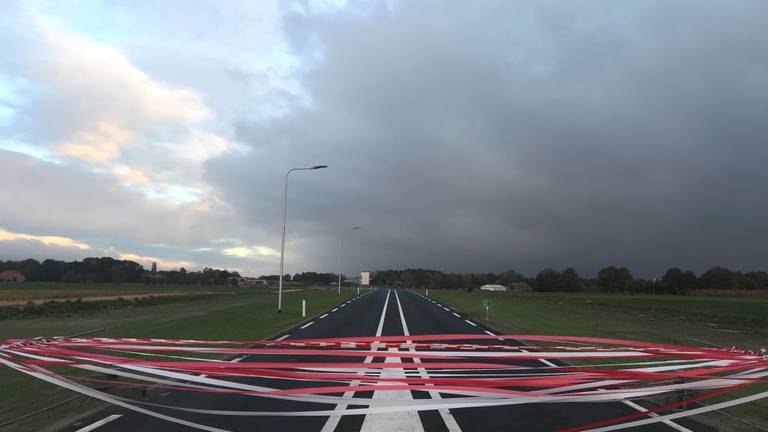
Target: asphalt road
{"x":382,"y":313}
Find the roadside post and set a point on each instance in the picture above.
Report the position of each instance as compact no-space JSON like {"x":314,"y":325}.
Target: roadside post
{"x":487,"y":306}
{"x":303,"y":308}
{"x":427,"y":292}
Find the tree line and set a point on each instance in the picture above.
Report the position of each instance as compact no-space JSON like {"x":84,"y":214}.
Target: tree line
{"x":609,"y":279}
{"x":111,"y":270}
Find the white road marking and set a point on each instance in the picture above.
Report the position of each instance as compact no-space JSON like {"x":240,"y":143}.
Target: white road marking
{"x":323,"y":316}
{"x":101,"y":422}
{"x":455,"y":314}
{"x":446,"y":308}
{"x":471,"y":323}
{"x":448,"y":419}
{"x":282,"y":337}
{"x":333,"y":421}
{"x":239,"y":359}
{"x":307,"y":325}
{"x":334,"y":309}
{"x":669,"y":423}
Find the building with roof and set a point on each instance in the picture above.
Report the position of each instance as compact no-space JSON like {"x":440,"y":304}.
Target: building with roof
{"x":12,"y":276}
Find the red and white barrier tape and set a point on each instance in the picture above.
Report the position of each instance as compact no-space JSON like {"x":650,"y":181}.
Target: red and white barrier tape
{"x":475,"y":370}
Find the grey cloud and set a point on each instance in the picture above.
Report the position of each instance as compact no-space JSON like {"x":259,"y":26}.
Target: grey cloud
{"x":494,"y":135}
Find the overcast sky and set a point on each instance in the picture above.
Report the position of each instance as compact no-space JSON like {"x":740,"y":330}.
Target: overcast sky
{"x":461,"y":136}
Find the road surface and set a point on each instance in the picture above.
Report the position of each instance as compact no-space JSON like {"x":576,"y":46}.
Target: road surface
{"x":374,"y":313}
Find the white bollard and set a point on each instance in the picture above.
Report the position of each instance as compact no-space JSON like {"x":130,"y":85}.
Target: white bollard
{"x":427,"y":292}
{"x":303,"y":308}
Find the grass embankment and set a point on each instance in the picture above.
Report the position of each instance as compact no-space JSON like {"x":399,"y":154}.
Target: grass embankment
{"x":664,"y":319}
{"x":249,"y":316}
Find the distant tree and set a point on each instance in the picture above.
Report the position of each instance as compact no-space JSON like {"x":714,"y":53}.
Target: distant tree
{"x":718,"y":278}
{"x":569,"y":280}
{"x":678,"y":281}
{"x":118,"y":274}
{"x":760,"y":278}
{"x":613,"y":279}
{"x":547,"y":280}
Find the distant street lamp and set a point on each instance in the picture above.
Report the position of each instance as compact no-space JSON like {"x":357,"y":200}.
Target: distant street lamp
{"x":282,"y":240}
{"x":341,"y":250}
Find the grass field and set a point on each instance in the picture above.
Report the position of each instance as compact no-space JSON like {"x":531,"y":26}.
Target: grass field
{"x":247,"y":316}
{"x":667,"y":319}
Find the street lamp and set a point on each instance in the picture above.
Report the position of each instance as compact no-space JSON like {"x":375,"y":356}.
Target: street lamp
{"x":282,"y":240}
{"x":341,"y":250}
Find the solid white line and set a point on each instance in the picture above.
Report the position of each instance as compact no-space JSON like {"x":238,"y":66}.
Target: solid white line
{"x":455,"y":314}
{"x":448,"y":419}
{"x":101,"y":422}
{"x":323,"y":316}
{"x":307,"y":325}
{"x":470,"y":322}
{"x":333,"y":421}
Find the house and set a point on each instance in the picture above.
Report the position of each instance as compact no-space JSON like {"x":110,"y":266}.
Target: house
{"x":11,"y":276}
{"x":493,"y":287}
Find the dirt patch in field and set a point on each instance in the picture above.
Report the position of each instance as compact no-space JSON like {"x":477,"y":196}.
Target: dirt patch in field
{"x":90,"y":298}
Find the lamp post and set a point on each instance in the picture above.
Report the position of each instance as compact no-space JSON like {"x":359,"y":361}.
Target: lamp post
{"x":341,"y":250}
{"x":282,"y":239}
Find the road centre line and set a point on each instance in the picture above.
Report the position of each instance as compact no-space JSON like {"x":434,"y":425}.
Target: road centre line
{"x":99,"y":423}
{"x":450,"y":422}
{"x":307,"y":325}
{"x":333,"y":421}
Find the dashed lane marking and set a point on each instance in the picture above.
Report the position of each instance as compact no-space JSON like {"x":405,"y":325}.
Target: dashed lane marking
{"x":99,"y":423}
{"x":323,"y":316}
{"x":334,"y":309}
{"x":455,"y":314}
{"x":307,"y":325}
{"x":470,"y":322}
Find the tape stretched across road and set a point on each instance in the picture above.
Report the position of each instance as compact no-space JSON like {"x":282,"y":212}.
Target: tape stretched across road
{"x":473,"y":370}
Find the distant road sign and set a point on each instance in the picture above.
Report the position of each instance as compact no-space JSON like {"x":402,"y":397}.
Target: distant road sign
{"x":365,"y":278}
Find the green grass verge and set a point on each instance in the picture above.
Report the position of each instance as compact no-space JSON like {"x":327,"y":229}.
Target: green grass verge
{"x":242,"y":317}
{"x":663,"y":319}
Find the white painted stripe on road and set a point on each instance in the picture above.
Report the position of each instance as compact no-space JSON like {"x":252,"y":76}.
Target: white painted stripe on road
{"x":333,"y":421}
{"x":99,"y":423}
{"x":323,"y":316}
{"x":455,"y":314}
{"x":307,"y":325}
{"x":334,"y":309}
{"x":450,"y":422}
{"x":282,"y":337}
{"x":470,"y":322}
{"x":446,"y":308}
{"x":239,"y":359}
{"x":669,"y":423}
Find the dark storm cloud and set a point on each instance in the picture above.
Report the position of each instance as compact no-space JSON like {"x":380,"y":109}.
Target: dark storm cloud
{"x":483,"y":136}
